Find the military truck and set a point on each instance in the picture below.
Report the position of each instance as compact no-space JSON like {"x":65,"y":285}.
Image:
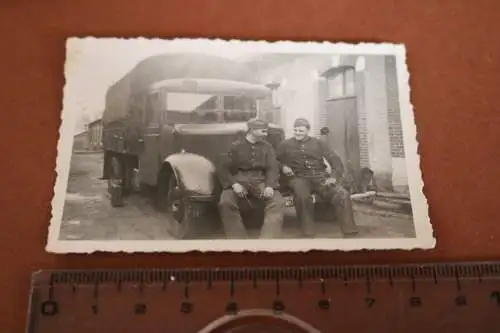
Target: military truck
{"x":166,"y":124}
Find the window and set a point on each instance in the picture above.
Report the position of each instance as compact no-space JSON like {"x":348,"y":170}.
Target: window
{"x":239,"y":103}
{"x":340,"y":82}
{"x":187,"y":102}
{"x":239,"y":108}
{"x":207,"y":108}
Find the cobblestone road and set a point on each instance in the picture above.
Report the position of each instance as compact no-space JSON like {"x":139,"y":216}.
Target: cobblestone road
{"x":88,"y":214}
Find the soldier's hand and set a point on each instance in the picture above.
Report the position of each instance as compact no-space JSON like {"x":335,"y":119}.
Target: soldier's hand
{"x":328,"y":170}
{"x":268,"y":192}
{"x":287,"y":170}
{"x":239,"y":190}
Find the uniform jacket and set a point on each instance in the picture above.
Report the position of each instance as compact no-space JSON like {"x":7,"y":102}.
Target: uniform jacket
{"x":244,"y":156}
{"x":305,"y":158}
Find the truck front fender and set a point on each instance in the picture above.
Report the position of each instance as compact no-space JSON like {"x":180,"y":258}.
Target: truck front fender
{"x":195,"y":173}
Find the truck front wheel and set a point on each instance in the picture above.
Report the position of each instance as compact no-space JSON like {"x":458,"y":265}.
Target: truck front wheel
{"x":178,"y":210}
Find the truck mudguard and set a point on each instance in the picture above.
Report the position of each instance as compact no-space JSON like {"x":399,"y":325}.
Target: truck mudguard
{"x":194,"y":172}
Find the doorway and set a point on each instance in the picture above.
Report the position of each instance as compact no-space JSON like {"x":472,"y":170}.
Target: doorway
{"x":342,"y":117}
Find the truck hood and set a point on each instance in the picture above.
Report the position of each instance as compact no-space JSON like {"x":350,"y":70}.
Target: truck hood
{"x":204,"y":129}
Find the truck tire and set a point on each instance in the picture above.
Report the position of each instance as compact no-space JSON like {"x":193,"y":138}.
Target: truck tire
{"x":115,"y":182}
{"x":179,"y":211}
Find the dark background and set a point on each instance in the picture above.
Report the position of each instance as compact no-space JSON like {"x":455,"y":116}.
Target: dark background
{"x":453,"y":57}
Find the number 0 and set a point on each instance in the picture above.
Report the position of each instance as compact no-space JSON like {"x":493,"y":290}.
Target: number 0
{"x":49,"y":308}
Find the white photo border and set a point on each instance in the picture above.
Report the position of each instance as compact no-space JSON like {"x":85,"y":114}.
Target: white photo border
{"x":424,"y":238}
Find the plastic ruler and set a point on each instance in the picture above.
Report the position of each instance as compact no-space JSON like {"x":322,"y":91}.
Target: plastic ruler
{"x":432,"y":297}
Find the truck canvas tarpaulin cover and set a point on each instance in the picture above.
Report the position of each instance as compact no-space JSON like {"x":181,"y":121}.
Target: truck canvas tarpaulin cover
{"x":167,"y":67}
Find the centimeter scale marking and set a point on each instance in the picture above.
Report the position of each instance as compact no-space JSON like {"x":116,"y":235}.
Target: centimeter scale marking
{"x":400,"y":298}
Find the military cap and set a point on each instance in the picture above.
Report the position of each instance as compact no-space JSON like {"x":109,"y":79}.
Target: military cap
{"x":301,"y":122}
{"x":256,"y":124}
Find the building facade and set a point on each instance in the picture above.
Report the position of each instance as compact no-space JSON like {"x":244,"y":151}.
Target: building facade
{"x":90,"y":139}
{"x":356,"y":97}
{"x":81,"y":141}
{"x":95,"y":134}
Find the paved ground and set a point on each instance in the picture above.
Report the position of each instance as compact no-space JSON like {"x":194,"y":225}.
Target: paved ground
{"x":88,"y":214}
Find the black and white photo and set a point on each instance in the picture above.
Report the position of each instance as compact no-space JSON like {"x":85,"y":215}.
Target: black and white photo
{"x":227,"y":145}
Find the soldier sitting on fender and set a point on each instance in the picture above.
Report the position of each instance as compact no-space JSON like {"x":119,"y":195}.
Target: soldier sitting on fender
{"x":301,"y":159}
{"x":251,"y":171}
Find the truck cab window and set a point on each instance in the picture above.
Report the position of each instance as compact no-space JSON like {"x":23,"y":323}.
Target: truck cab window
{"x":207,"y":108}
{"x":239,"y":103}
{"x":239,"y":108}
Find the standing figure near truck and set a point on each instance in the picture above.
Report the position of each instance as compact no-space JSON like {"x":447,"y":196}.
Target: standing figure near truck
{"x":251,"y":172}
{"x":301,"y":158}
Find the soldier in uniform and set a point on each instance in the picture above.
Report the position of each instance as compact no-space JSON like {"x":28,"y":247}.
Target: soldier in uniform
{"x":301,"y":159}
{"x":251,"y":172}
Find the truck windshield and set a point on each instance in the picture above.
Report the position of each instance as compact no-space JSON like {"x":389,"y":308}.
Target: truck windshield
{"x":204,"y":108}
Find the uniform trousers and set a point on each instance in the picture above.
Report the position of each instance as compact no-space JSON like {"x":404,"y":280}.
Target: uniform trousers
{"x":230,"y":208}
{"x":334,"y":194}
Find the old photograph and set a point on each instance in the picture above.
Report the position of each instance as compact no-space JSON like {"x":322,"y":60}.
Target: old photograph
{"x":227,"y":145}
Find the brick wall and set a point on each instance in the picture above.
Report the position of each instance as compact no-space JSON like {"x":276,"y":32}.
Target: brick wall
{"x":323,"y":112}
{"x":362,"y":121}
{"x":374,"y":97}
{"x":395,"y":128}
